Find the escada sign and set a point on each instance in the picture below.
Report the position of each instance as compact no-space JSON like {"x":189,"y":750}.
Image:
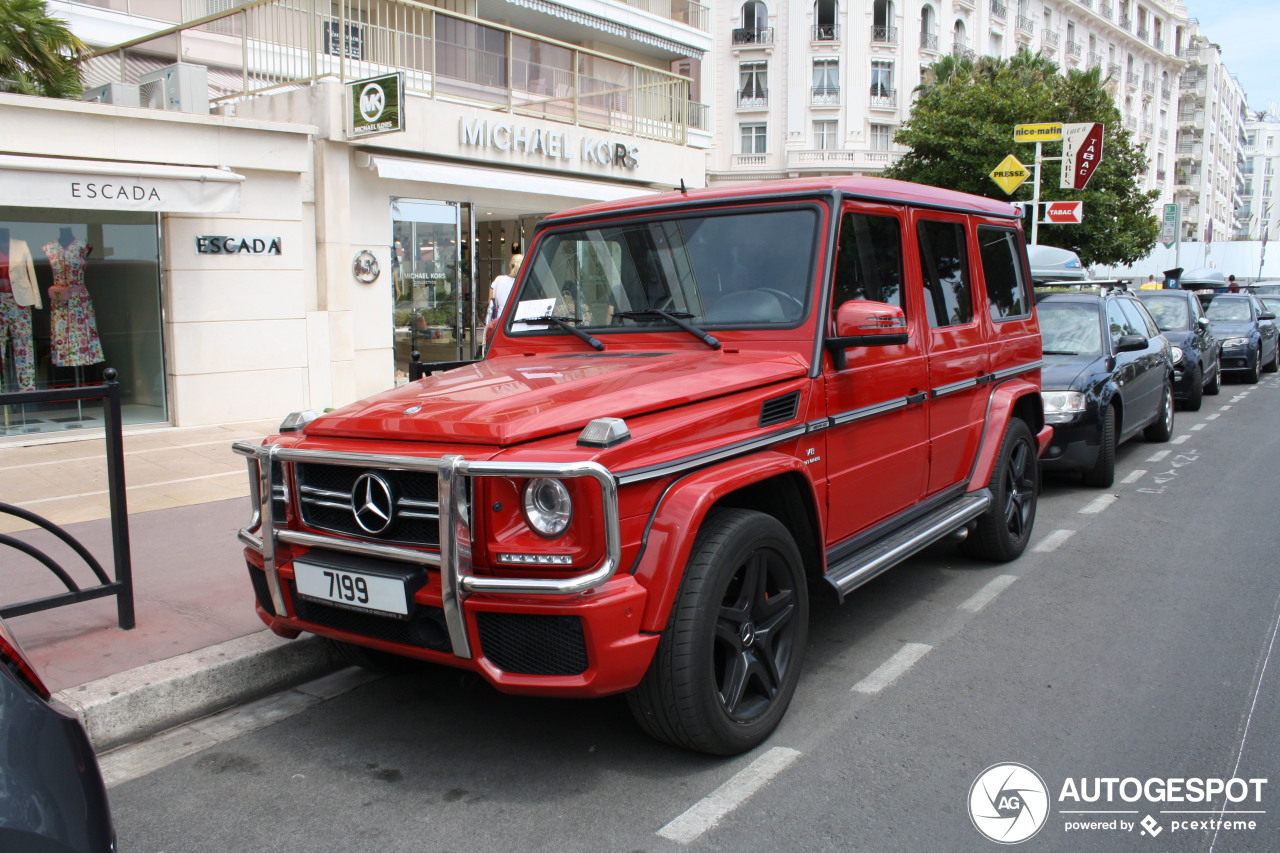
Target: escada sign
{"x":238,"y":245}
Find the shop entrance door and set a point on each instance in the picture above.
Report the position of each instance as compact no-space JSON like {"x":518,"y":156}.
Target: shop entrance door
{"x":434,"y":280}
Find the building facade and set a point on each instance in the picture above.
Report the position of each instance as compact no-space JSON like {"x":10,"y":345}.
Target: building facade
{"x":821,"y":88}
{"x":353,"y":223}
{"x":1259,"y":216}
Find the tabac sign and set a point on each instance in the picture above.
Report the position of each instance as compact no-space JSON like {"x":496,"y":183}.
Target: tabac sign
{"x":376,"y":105}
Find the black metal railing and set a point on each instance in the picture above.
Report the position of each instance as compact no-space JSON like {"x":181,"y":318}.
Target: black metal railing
{"x":747,"y":35}
{"x":122,"y":586}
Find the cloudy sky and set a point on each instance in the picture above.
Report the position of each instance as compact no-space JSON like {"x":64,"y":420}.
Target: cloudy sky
{"x":1247,"y":31}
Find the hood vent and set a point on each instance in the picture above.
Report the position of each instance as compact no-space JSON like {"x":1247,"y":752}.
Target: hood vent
{"x":779,"y":409}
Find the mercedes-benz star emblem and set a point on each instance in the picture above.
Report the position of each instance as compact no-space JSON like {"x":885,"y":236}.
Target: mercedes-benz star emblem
{"x":372,"y":504}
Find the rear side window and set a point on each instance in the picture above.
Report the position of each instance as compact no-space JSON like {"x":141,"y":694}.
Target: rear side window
{"x":1006,"y":287}
{"x":1117,"y":323}
{"x":869,"y":265}
{"x":1139,"y":319}
{"x":945,"y":263}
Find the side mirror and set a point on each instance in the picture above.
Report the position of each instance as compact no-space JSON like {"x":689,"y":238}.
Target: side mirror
{"x":1266,"y":315}
{"x":1202,"y":322}
{"x":860,"y":318}
{"x":1131,"y":343}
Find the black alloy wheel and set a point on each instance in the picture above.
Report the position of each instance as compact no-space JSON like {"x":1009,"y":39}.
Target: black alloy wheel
{"x":1215,"y":387}
{"x":1103,"y":472}
{"x":1002,"y":533}
{"x":729,"y":659}
{"x":1255,"y":368}
{"x":1195,"y":397}
{"x":1161,"y":429}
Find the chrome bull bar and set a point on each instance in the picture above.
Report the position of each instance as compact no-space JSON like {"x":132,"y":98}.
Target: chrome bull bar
{"x":454,"y":560}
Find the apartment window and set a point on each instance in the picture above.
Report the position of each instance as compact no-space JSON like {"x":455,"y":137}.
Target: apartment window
{"x":995,"y":45}
{"x":824,"y":134}
{"x":755,"y":15}
{"x":753,"y":138}
{"x":881,"y":78}
{"x":753,"y":83}
{"x":824,"y":18}
{"x":826,"y":79}
{"x":881,"y":137}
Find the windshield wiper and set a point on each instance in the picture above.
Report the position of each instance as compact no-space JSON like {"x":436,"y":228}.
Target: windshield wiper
{"x":674,"y":317}
{"x":1059,"y":352}
{"x":566,"y":324}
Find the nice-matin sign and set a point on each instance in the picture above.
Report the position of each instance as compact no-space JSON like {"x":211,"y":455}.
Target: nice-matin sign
{"x":377,"y":105}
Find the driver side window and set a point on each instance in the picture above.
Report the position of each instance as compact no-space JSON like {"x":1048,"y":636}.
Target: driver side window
{"x":868,"y":261}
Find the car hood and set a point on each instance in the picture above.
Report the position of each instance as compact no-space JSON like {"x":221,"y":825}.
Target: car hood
{"x":507,"y":400}
{"x":1062,"y":372}
{"x":1232,"y":330}
{"x":1178,"y":338}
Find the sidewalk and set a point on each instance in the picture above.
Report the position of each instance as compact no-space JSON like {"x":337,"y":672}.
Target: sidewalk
{"x":198,"y":646}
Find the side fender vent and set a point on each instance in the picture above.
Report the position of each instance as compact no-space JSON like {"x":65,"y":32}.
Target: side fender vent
{"x":779,"y":409}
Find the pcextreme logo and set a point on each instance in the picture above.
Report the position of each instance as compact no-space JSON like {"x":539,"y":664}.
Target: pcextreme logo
{"x":1009,"y":803}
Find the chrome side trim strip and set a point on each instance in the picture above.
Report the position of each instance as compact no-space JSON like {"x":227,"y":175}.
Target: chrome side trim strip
{"x":868,"y":411}
{"x":1014,"y":371}
{"x":944,"y":390}
{"x":742,"y":447}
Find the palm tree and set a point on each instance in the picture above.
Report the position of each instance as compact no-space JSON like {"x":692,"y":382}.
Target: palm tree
{"x":38,"y":54}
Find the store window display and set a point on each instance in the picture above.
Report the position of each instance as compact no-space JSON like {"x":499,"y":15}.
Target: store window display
{"x":80,"y":292}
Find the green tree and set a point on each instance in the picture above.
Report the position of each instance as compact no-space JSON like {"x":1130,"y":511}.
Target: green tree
{"x":961,"y":127}
{"x":38,"y":54}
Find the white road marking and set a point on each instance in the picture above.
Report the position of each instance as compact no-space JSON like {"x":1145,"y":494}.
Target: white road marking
{"x":1182,"y":439}
{"x":988,"y":593}
{"x":1223,"y":408}
{"x":147,"y":756}
{"x":1158,"y":456}
{"x":1197,"y":427}
{"x":168,"y":447}
{"x":1052,"y":541}
{"x":1212,"y":417}
{"x":1097,"y":505}
{"x":1134,"y":476}
{"x":892,"y":669}
{"x":708,"y":811}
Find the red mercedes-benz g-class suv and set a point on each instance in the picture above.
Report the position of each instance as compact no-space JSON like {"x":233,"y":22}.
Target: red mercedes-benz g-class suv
{"x":697,"y":407}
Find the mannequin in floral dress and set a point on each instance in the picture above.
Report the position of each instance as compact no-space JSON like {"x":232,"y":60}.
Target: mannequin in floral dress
{"x":75,"y":328}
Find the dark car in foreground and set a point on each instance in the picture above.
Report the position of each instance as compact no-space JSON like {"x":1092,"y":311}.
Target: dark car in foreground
{"x":1107,"y":376}
{"x":1180,"y":318}
{"x":1246,"y":330}
{"x":52,"y":798}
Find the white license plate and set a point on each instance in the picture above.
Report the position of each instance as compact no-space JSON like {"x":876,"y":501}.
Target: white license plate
{"x":351,"y":589}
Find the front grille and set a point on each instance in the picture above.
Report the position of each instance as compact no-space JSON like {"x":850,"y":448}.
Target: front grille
{"x":425,"y":627}
{"x":259,"y":580}
{"x":324,"y":498}
{"x":279,"y":494}
{"x":526,"y":644}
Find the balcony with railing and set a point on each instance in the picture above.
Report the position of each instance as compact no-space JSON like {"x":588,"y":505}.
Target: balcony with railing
{"x":1050,"y":38}
{"x":274,"y":45}
{"x":1148,"y":128}
{"x":747,"y":35}
{"x":1132,"y":79}
{"x":883,"y":99}
{"x":1143,"y":34}
{"x":824,"y":96}
{"x":1106,"y":10}
{"x":1158,"y":42}
{"x":1126,"y":23}
{"x":884,"y":35}
{"x":752,"y":160}
{"x":1075,"y":49}
{"x":998,"y":10}
{"x":695,"y":15}
{"x":1088,"y":4}
{"x":960,"y":51}
{"x":753,"y":98}
{"x":929,"y":41}
{"x":1149,"y":87}
{"x":826,"y":32}
{"x":1025,"y":25}
{"x":1095,"y":60}
{"x":1164,"y":134}
{"x":1113,"y":71}
{"x":1165,"y":93}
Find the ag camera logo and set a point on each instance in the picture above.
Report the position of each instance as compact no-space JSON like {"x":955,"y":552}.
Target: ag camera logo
{"x":1008,"y":803}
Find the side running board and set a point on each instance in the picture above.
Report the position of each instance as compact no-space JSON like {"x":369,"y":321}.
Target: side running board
{"x":894,"y":547}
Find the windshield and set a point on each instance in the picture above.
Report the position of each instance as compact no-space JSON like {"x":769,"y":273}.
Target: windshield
{"x":1070,"y":328}
{"x":1226,"y":309}
{"x":733,"y":269}
{"x":1169,"y":312}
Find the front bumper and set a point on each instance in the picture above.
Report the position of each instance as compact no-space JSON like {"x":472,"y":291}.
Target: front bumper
{"x":1074,"y":446}
{"x":1239,"y":359}
{"x":588,"y":623}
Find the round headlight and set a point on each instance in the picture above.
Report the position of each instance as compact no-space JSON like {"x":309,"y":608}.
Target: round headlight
{"x":1177,"y":354}
{"x":547,"y":506}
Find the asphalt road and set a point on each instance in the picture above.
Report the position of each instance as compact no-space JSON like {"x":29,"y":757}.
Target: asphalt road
{"x":1135,"y":641}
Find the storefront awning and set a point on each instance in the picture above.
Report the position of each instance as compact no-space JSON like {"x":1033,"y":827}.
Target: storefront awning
{"x":113,"y":185}
{"x":400,"y":168}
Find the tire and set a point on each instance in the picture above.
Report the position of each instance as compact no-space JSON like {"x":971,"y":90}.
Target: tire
{"x":1255,"y":372}
{"x":1195,"y":397}
{"x":1162,"y":428}
{"x":1214,"y":387}
{"x":1004,"y":530}
{"x":371,"y":659}
{"x":1103,"y":472}
{"x":730,"y":657}
{"x":1274,"y":363}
